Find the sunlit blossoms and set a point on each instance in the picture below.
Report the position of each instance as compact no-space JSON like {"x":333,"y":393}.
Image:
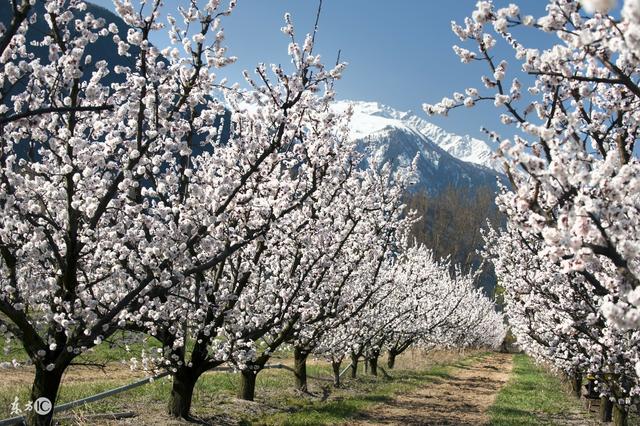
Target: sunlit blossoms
{"x":142,"y":195}
{"x":598,"y":6}
{"x":573,"y":165}
{"x":420,"y":303}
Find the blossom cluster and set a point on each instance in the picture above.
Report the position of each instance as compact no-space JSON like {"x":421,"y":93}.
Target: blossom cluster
{"x":140,"y":194}
{"x":569,"y":260}
{"x":422,"y":303}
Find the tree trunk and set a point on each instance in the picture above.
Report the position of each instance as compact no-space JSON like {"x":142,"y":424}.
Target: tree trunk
{"x":373,"y":365}
{"x":354,"y":366}
{"x":300,"y":368}
{"x":335,"y":365}
{"x":43,"y":395}
{"x":247,"y":389}
{"x":184,"y":381}
{"x":391,"y":360}
{"x":606,"y":408}
{"x":576,"y":384}
{"x":366,"y":365}
{"x":620,"y":415}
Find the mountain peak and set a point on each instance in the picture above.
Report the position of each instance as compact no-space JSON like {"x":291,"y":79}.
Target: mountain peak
{"x":370,"y":117}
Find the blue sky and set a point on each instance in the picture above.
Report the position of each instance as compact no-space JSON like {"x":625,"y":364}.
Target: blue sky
{"x":399,"y":52}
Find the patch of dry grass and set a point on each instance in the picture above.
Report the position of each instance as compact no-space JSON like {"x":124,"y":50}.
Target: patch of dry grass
{"x":214,"y":397}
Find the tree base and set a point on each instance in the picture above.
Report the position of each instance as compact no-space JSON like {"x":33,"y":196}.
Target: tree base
{"x":181,"y":395}
{"x":247,"y":389}
{"x":300,"y":368}
{"x":335,"y":366}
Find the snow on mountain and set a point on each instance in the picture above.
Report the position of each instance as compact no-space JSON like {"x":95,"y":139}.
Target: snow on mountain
{"x":445,"y":159}
{"x":370,"y":117}
{"x":386,"y":134}
{"x":465,"y":147}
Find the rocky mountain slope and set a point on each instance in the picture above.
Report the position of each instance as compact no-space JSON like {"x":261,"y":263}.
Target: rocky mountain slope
{"x":444,"y":159}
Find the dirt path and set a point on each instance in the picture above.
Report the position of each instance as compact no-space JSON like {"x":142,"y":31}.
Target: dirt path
{"x":461,"y":399}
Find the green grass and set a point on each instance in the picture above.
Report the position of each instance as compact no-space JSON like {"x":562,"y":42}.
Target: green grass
{"x":531,"y":396}
{"x":218,"y":384}
{"x":360,"y":394}
{"x":278,"y":402}
{"x":77,"y":390}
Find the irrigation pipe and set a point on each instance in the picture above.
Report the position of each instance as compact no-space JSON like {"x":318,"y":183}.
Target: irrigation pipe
{"x":345,"y":369}
{"x":96,"y":397}
{"x":105,"y":394}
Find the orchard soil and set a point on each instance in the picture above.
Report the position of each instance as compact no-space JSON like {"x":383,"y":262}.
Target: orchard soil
{"x":460,"y":399}
{"x":432,"y":388}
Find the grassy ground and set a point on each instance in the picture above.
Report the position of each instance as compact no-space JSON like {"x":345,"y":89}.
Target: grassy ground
{"x":534,"y":397}
{"x":214,"y":399}
{"x":348,"y":403}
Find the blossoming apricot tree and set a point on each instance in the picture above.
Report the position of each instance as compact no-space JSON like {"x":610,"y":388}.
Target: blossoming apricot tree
{"x":572,"y":161}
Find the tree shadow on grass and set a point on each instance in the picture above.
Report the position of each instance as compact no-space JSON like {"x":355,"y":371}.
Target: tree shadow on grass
{"x":445,"y":408}
{"x":345,"y":408}
{"x":508,"y":416}
{"x":427,"y":375}
{"x":353,"y":407}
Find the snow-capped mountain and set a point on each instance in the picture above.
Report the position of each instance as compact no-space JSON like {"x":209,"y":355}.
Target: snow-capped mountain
{"x":465,"y":148}
{"x":445,"y":159}
{"x":372,"y":116}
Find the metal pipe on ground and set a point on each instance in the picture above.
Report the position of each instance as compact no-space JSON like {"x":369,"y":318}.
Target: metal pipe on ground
{"x":69,"y":405}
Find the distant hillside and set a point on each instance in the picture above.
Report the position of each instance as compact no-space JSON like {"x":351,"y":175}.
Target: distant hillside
{"x":457,"y":180}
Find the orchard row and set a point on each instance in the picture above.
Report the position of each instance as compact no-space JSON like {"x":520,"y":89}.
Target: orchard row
{"x":138,"y":192}
{"x":569,"y":259}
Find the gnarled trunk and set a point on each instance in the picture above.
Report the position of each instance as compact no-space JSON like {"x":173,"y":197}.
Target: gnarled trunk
{"x":335,"y":366}
{"x":606,"y":409}
{"x":43,"y":395}
{"x":620,"y":415}
{"x":300,"y":368}
{"x":391,"y":360}
{"x":373,"y":365}
{"x":576,"y":384}
{"x":184,"y":381}
{"x":354,"y":366}
{"x":247,"y":389}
